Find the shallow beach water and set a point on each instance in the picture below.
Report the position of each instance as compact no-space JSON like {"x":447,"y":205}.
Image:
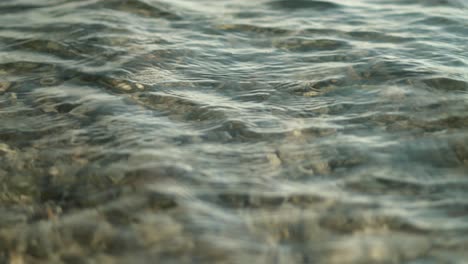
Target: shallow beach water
{"x":269,"y":131}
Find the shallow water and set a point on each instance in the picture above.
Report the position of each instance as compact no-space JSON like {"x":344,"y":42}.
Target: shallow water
{"x":269,"y":131}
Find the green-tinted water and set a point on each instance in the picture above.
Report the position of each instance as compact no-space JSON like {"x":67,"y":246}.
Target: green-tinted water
{"x":270,"y":131}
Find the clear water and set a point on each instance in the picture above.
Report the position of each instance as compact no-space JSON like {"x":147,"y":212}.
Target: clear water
{"x":234,"y":131}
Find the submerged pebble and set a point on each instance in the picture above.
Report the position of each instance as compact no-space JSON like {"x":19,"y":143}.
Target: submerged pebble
{"x":269,"y":132}
{"x":48,"y":81}
{"x":4,"y":85}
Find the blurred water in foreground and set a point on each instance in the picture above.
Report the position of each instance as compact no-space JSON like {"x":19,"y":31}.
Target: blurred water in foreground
{"x":234,"y":131}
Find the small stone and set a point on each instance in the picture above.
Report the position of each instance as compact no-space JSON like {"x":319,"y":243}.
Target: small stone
{"x":124,"y":86}
{"x":274,"y":159}
{"x":321,"y":167}
{"x":48,"y":81}
{"x":48,"y":108}
{"x":297,"y":133}
{"x":140,"y":86}
{"x":6,"y":150}
{"x":311,"y":94}
{"x":52,"y":45}
{"x":16,"y":258}
{"x":158,"y":229}
{"x":378,"y":248}
{"x":13,"y":97}
{"x":4,"y":85}
{"x":54,"y":171}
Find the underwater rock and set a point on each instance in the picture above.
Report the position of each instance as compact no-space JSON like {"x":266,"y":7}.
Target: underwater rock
{"x":4,"y":86}
{"x":48,"y":81}
{"x":377,"y":248}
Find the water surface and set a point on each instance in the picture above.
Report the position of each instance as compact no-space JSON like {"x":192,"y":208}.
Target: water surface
{"x":269,"y":131}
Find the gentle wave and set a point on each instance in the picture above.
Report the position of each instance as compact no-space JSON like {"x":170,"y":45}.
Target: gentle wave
{"x":135,"y":131}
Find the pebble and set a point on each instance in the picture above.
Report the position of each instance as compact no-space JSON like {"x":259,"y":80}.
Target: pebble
{"x":127,"y":86}
{"x":4,"y":85}
{"x":54,"y":171}
{"x":13,"y":98}
{"x":16,"y":258}
{"x":158,"y":229}
{"x":393,"y":93}
{"x":274,"y":160}
{"x":377,"y":248}
{"x":139,"y":86}
{"x":311,"y":94}
{"x":48,"y":81}
{"x":124,"y":86}
{"x":5,"y":150}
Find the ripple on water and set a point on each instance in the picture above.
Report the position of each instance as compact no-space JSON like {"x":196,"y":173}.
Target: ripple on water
{"x":303,"y":4}
{"x":18,"y":8}
{"x":139,"y":8}
{"x":446,"y":84}
{"x":306,"y":45}
{"x":280,"y":131}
